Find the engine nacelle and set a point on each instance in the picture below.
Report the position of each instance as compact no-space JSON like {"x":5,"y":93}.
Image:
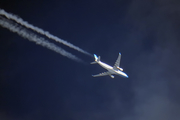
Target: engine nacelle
{"x":121,"y":69}
{"x":112,"y":76}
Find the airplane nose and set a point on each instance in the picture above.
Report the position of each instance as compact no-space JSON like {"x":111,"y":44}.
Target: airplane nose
{"x":127,"y":76}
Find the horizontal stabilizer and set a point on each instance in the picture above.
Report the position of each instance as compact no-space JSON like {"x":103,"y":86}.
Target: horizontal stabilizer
{"x":93,"y":62}
{"x":98,"y":59}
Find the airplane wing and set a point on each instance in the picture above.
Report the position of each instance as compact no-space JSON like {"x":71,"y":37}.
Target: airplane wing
{"x":117,"y":63}
{"x":101,"y":74}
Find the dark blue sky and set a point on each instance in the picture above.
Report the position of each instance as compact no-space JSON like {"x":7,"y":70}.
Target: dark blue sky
{"x":39,"y":84}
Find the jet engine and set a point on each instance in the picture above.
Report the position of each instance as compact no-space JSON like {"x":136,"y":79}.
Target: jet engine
{"x":112,"y":76}
{"x":121,"y":69}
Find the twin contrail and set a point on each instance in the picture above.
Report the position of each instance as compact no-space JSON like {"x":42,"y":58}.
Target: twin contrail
{"x":41,"y":31}
{"x":33,"y":37}
{"x":23,"y":32}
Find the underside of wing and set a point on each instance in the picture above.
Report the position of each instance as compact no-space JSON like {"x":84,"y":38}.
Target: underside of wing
{"x":101,"y":74}
{"x":117,"y":63}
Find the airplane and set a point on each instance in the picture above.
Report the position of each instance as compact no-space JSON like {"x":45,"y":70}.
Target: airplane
{"x":111,"y":70}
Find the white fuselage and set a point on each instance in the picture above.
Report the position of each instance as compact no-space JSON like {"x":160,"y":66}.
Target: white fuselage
{"x":111,"y":70}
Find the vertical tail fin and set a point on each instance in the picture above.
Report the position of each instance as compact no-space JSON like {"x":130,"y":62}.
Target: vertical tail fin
{"x":97,"y":59}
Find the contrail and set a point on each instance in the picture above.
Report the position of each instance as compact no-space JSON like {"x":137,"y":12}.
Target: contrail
{"x":41,"y":31}
{"x":34,"y":38}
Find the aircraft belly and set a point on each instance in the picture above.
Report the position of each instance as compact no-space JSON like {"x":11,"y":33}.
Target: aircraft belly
{"x":105,"y":66}
{"x":111,"y":71}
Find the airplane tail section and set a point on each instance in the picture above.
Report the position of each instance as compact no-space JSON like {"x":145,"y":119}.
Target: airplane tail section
{"x":97,"y":59}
